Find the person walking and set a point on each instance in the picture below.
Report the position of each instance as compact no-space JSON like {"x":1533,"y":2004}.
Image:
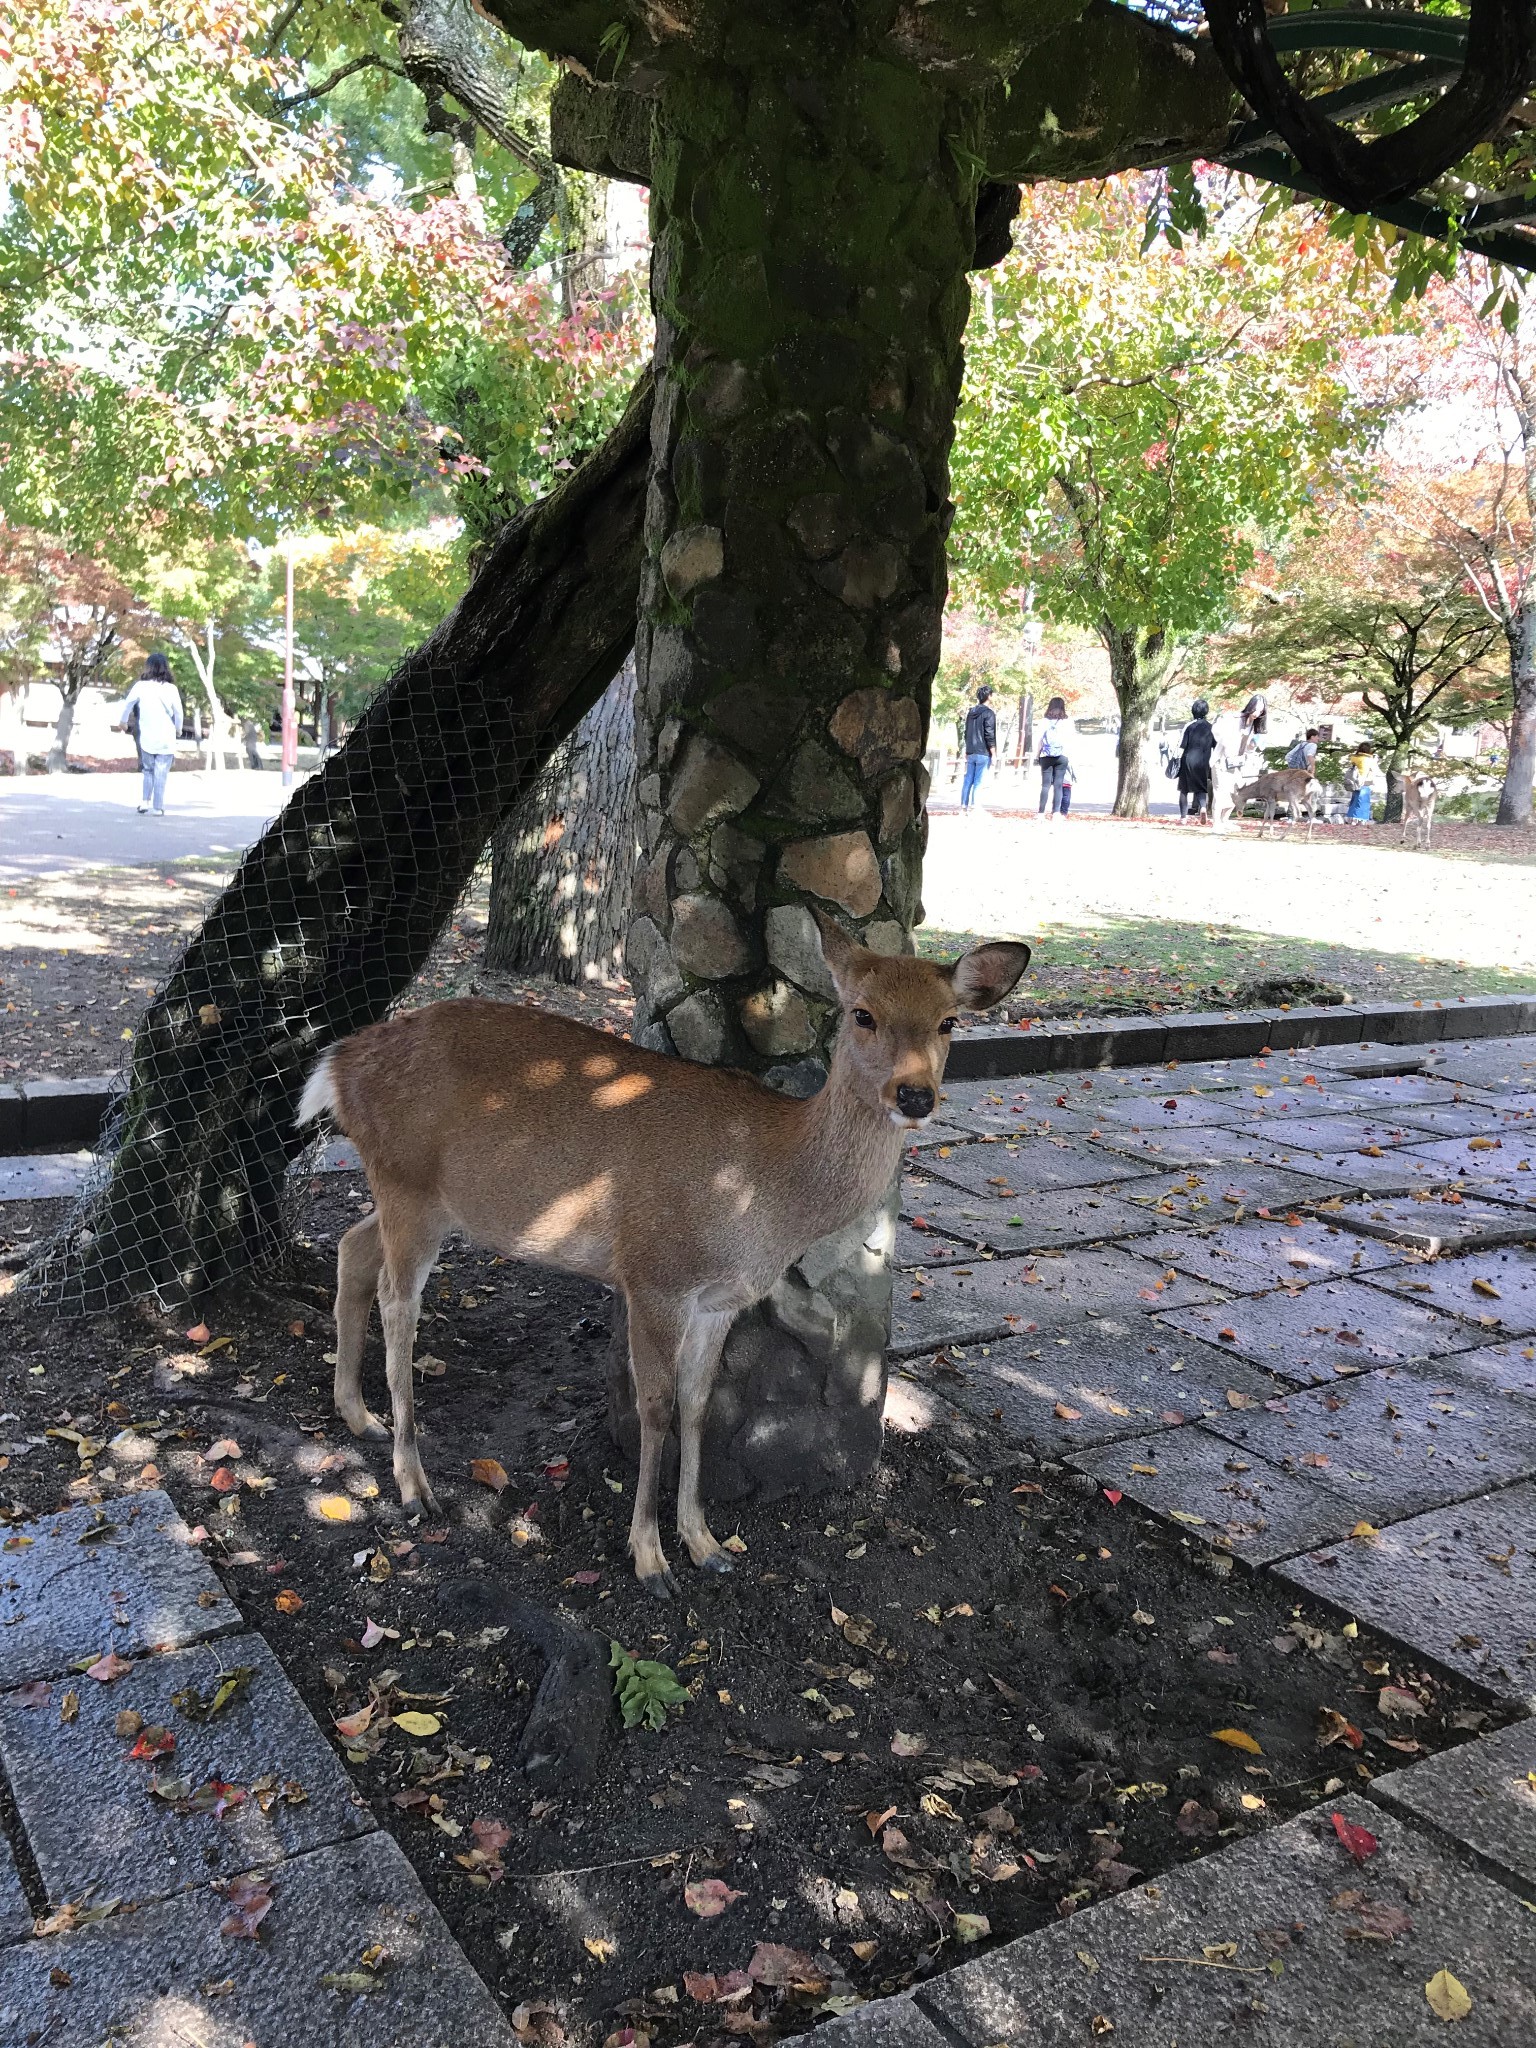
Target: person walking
{"x":1195,"y":750}
{"x":1360,"y":779}
{"x":156,"y":703}
{"x":980,"y":745}
{"x":1303,"y":752}
{"x":1056,"y":736}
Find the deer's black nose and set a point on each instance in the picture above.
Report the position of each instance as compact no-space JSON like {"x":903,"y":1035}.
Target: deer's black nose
{"x":914,"y":1102}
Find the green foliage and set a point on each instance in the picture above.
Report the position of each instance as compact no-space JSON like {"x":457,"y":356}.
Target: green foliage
{"x":644,"y":1688}
{"x":363,"y":599}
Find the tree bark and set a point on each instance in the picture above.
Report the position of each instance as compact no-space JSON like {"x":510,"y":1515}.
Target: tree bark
{"x":563,"y":864}
{"x":1520,"y":767}
{"x":57,"y":762}
{"x":334,"y":910}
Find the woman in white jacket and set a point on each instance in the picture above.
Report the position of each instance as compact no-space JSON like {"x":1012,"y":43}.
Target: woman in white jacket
{"x":1056,"y":736}
{"x":157,"y":701}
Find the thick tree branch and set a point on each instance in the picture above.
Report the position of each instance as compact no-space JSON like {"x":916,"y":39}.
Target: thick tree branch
{"x":369,"y":62}
{"x":447,"y":46}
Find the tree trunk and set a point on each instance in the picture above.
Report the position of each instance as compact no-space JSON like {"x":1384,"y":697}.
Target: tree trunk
{"x":809,"y":321}
{"x":335,"y":909}
{"x":1396,"y":766}
{"x":58,"y":754}
{"x":1520,"y":767}
{"x":1141,"y":666}
{"x":564,"y":862}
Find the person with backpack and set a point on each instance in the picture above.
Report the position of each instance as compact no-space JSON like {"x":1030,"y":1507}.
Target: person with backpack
{"x":980,"y":745}
{"x":1303,"y":753}
{"x":152,"y":711}
{"x":1194,"y":763}
{"x":1055,"y":740}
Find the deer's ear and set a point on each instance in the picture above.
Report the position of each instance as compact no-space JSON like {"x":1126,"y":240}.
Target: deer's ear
{"x":984,"y":976}
{"x":837,"y":949}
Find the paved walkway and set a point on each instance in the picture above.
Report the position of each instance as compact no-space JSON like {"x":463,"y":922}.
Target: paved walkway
{"x":54,"y":824}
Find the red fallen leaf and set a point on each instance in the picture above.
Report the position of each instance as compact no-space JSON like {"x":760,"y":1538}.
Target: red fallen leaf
{"x":249,"y":1900}
{"x":489,"y":1472}
{"x":705,"y":1989}
{"x":1113,"y":1495}
{"x":108,"y":1667}
{"x":225,"y":1479}
{"x":1060,"y":1591}
{"x":1227,"y":1336}
{"x":1347,"y":1337}
{"x":1172,"y":1102}
{"x":557,"y":1471}
{"x":152,"y":1743}
{"x":1360,"y":1842}
{"x":491,"y":1835}
{"x":35,"y":1693}
{"x":585,"y":1578}
{"x":198,"y":1334}
{"x":350,"y":1726}
{"x":709,"y":1896}
{"x":1316,"y":1459}
{"x":876,"y":1821}
{"x":1027,"y":1773}
{"x":921,"y":1223}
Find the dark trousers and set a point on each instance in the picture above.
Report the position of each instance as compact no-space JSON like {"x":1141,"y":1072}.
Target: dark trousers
{"x":1053,"y":771}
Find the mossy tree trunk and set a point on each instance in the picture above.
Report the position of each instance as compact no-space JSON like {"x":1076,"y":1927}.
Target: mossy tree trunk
{"x":1142,"y":664}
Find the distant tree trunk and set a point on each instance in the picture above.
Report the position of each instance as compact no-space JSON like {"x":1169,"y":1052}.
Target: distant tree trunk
{"x":1520,"y":767}
{"x":1142,"y":664}
{"x":563,"y":864}
{"x":1396,"y":765}
{"x":58,"y":754}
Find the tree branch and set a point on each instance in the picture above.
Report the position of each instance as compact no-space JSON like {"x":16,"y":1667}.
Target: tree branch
{"x":370,"y":62}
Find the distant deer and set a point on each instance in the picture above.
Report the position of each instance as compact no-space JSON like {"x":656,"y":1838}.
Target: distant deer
{"x":1294,"y":789}
{"x":1419,"y":794}
{"x":690,"y":1189}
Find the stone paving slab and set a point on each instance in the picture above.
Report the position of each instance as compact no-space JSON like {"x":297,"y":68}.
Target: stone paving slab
{"x":118,"y":1836}
{"x":1207,"y":1145}
{"x":61,"y":1597}
{"x":1462,"y":1119}
{"x":1028,"y":1166}
{"x":1244,"y":1257}
{"x":1203,"y":1196}
{"x":1056,"y":1391}
{"x":1438,"y":1220}
{"x":1041,"y":1220}
{"x":956,"y":1303}
{"x":15,"y":1913}
{"x":1482,"y":1795}
{"x":1156,"y":1113}
{"x":1494,"y":1288}
{"x":1457,"y":1584}
{"x":981,"y":1108}
{"x":1331,"y":1328}
{"x":1482,"y":1157}
{"x":45,"y":1176}
{"x":1368,"y":1061}
{"x":1398,"y":1171}
{"x":165,"y":1977}
{"x":1338,"y":1131}
{"x":1291,"y":1896}
{"x":1508,"y":1369}
{"x":936,"y":1132}
{"x":1220,"y":1494}
{"x":1392,"y":1443}
{"x":925,"y":1247}
{"x":1398,"y":1091}
{"x":1490,"y":1062}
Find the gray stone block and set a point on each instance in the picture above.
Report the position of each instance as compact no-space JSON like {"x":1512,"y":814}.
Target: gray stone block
{"x":999,"y":1297}
{"x":123,"y":1840}
{"x":1060,"y":1390}
{"x":1137,"y":1041}
{"x":1216,"y":1035}
{"x":1457,"y":1584}
{"x":1440,"y":1219}
{"x":1508,"y":1063}
{"x":926,"y":1247}
{"x":1337,"y":1130}
{"x":980,"y":1052}
{"x":1500,"y":1368}
{"x":143,"y":1588}
{"x":1315,"y":1025}
{"x":1494,"y":1288}
{"x":1364,"y":1060}
{"x":1205,"y":1195}
{"x":1293,"y":1896}
{"x":884,"y":2023}
{"x":1242,"y":1258}
{"x":1395,"y":1442}
{"x":1355,"y":1173}
{"x":66,"y":1112}
{"x":990,"y":1108}
{"x":1218,"y":1494}
{"x":45,"y":1176}
{"x":167,"y":1975}
{"x":1043,"y":1220}
{"x":1484,"y":1155}
{"x":1391,"y":1092}
{"x":1325,"y":1331}
{"x":1480,"y":1796}
{"x":15,"y":1913}
{"x":1012,"y":1167}
{"x":1153,"y":1115}
{"x":1461,"y":1117}
{"x":1207,"y":1145}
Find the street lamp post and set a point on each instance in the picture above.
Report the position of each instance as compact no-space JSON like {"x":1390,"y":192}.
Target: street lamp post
{"x":290,"y":710}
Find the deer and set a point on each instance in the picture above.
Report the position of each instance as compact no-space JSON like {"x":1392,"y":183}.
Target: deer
{"x":1296,"y":789}
{"x":688,"y":1189}
{"x":1419,"y":794}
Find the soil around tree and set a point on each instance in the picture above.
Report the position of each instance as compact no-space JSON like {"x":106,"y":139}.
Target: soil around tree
{"x":969,"y":1697}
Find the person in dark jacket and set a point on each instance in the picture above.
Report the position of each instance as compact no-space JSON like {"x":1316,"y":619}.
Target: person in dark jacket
{"x":980,"y":745}
{"x":1195,"y":750}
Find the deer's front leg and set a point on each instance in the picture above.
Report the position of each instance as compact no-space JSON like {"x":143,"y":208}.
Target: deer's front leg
{"x":698,"y":1362}
{"x":655,"y":1339}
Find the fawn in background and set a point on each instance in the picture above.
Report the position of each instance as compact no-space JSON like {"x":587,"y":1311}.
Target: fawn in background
{"x":691,"y":1189}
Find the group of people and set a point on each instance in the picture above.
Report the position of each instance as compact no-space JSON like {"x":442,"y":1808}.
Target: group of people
{"x":1204,"y":751}
{"x":1051,"y":756}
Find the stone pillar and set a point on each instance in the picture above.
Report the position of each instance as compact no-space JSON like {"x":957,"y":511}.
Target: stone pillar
{"x":813,"y":214}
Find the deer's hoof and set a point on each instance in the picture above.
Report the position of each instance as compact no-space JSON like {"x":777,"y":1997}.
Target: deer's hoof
{"x":717,"y":1561}
{"x":373,"y":1431}
{"x":660,"y":1585}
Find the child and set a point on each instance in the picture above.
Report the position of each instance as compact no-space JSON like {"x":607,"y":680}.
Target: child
{"x":1066,"y":789}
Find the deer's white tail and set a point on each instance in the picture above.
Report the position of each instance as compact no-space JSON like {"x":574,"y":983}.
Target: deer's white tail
{"x":319,"y":1091}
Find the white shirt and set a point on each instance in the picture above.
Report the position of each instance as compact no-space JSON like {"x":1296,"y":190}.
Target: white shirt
{"x":1055,"y":735}
{"x":159,"y":714}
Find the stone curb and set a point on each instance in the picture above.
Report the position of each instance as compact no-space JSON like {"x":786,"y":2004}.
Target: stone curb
{"x":988,"y":1052}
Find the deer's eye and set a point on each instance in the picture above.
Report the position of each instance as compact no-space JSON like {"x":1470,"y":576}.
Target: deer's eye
{"x":864,"y":1020}
{"x":947,"y":1026}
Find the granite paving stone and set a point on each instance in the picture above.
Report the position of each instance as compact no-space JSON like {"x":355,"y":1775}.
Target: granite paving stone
{"x":925,"y":1247}
{"x":1494,"y":1288}
{"x":1035,"y":1221}
{"x":1489,"y":1062}
{"x":1402,"y":1091}
{"x":1138,"y":1964}
{"x":999,"y":1297}
{"x":1438,"y":1220}
{"x":1331,"y":1328}
{"x":1461,"y":1119}
{"x":936,"y":1132}
{"x":1208,"y":1145}
{"x":123,"y":1839}
{"x":1482,"y":1157}
{"x":1367,"y":1062}
{"x":1337,"y":1131}
{"x":1174,"y":1112}
{"x":1242,"y":1257}
{"x":1482,"y":1795}
{"x":166,"y":1977}
{"x":1056,"y":1391}
{"x":15,"y":1913}
{"x":1398,"y":1170}
{"x":982,"y":1108}
{"x":1202,"y":1196}
{"x":1217,"y":1492}
{"x":1502,"y":1368}
{"x":1392,"y":1443}
{"x":885,"y":2023}
{"x":1457,"y":1584}
{"x":1031,"y":1164}
{"x":138,"y":1585}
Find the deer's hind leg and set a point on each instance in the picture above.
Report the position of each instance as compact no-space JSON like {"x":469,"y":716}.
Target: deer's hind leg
{"x":359,"y":1257}
{"x":698,"y":1362}
{"x":657,"y":1329}
{"x":411,"y":1232}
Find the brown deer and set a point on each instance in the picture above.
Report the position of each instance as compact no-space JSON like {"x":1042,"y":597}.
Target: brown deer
{"x":690,"y":1189}
{"x":1296,"y":790}
{"x":1419,"y":794}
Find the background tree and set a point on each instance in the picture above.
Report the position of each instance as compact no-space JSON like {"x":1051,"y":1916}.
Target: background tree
{"x":80,"y":612}
{"x":1136,"y":418}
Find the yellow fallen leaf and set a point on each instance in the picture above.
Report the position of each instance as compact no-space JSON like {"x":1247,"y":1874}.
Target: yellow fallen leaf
{"x":1236,"y":1738}
{"x":596,"y":1946}
{"x":1479,"y":1145}
{"x":335,"y":1507}
{"x":1183,"y":1515}
{"x":1150,"y":1471}
{"x":418,"y":1724}
{"x":1448,"y":1997}
{"x":1481,"y":1286}
{"x":489,"y":1472}
{"x":1365,"y":1529}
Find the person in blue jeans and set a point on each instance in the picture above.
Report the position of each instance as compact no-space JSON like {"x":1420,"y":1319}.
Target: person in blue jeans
{"x":158,"y":704}
{"x":980,"y":745}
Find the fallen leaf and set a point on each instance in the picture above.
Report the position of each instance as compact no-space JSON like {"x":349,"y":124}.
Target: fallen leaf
{"x":903,"y":1744}
{"x":1365,"y":1529}
{"x":225,"y":1479}
{"x":418,"y":1724}
{"x":1398,"y":1704}
{"x":1114,"y":1496}
{"x":1449,"y":1998}
{"x":108,"y":1667}
{"x":709,"y":1896}
{"x":35,"y":1693}
{"x":350,"y":1726}
{"x":1237,"y":1738}
{"x":152,"y":1742}
{"x":597,"y":1946}
{"x":1360,"y":1842}
{"x":786,"y":1969}
{"x":288,"y":1602}
{"x":198,"y":1334}
{"x":876,"y":1821}
{"x":335,"y":1507}
{"x":1065,"y":1414}
{"x":489,"y":1472}
{"x":69,"y":1706}
{"x":249,"y":1900}
{"x":971,"y":1927}
{"x":1481,"y":1286}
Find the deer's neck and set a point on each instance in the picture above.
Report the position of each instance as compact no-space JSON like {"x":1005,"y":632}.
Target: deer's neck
{"x":847,"y":1155}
